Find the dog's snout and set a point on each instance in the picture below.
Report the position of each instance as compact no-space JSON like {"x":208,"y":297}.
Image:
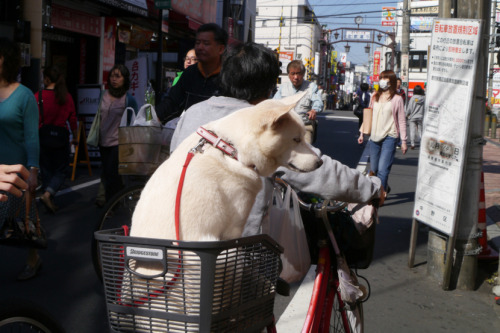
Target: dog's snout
{"x":319,"y":163}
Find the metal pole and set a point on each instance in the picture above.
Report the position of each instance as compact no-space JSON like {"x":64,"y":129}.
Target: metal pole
{"x":405,"y":40}
{"x":159,"y":60}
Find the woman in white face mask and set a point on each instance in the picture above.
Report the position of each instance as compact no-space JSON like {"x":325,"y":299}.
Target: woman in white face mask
{"x":388,"y":127}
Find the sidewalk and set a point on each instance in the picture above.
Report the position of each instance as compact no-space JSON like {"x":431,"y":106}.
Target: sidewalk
{"x":491,"y":169}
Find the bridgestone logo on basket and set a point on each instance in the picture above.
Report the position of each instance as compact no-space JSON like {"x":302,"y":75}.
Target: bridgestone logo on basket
{"x":145,"y":253}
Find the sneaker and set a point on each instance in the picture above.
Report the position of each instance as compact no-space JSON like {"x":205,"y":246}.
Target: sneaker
{"x":29,"y":271}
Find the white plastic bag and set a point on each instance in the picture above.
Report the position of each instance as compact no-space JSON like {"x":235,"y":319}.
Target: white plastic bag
{"x":140,"y":119}
{"x":286,"y":227}
{"x":125,"y":121}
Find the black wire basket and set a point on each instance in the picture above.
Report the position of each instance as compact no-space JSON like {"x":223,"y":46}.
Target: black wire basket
{"x":154,"y":285}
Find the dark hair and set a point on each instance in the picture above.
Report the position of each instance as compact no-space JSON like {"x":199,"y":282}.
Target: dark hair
{"x":249,"y":72}
{"x":388,"y":74}
{"x":11,"y":59}
{"x":55,"y":75}
{"x":399,"y":79}
{"x":418,"y":90}
{"x":296,"y":64}
{"x":220,"y":35}
{"x":364,"y":86}
{"x":126,"y":81}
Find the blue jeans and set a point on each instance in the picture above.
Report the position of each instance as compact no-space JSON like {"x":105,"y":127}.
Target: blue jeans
{"x":381,"y":158}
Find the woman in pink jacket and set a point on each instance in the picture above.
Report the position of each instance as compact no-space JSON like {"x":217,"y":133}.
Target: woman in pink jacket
{"x":388,"y":127}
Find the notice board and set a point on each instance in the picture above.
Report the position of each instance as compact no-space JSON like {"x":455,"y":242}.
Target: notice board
{"x":449,"y":96}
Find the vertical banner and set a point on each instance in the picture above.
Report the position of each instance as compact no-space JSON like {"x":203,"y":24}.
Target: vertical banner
{"x":376,"y":66}
{"x":285,"y":57}
{"x":138,"y":78}
{"x":450,"y":87}
{"x":108,"y":52}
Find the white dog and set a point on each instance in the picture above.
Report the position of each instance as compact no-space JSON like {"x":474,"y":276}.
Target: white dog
{"x":219,"y":190}
{"x":218,"y":193}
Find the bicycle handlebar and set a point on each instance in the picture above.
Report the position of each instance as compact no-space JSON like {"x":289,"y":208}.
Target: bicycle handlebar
{"x":331,"y":206}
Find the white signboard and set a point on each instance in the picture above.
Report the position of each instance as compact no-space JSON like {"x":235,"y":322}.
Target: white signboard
{"x":358,"y":35}
{"x":450,"y":85}
{"x":343,"y":58}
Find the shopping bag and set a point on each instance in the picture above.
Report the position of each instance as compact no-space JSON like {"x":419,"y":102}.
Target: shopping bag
{"x":22,"y":227}
{"x":286,"y":227}
{"x":366,"y":127}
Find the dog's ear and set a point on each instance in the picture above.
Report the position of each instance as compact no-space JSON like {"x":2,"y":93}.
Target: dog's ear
{"x":293,"y":99}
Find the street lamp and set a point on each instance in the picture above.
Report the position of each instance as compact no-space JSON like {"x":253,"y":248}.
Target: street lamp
{"x":336,"y":34}
{"x":379,"y":36}
{"x":367,"y":48}
{"x":347,"y":48}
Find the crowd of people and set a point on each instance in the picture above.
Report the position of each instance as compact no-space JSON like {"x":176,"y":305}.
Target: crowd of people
{"x":215,"y":81}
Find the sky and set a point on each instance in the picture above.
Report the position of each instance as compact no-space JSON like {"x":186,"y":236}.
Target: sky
{"x":341,"y":13}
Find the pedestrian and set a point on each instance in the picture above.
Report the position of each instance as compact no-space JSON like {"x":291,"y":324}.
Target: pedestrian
{"x":387,"y":128}
{"x":199,"y":82}
{"x":364,"y":97}
{"x":249,"y":73}
{"x":324,"y":97}
{"x":113,"y":103}
{"x":19,"y":138}
{"x":56,"y":107}
{"x":400,"y":91}
{"x":189,"y":59}
{"x":415,"y":114}
{"x":310,"y":104}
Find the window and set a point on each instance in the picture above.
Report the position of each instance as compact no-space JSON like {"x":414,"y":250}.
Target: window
{"x":418,"y":61}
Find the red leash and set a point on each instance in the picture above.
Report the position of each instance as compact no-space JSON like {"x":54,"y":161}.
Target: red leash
{"x":179,"y":193}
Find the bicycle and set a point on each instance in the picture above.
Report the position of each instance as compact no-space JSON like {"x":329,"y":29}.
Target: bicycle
{"x":256,"y":256}
{"x":22,"y":316}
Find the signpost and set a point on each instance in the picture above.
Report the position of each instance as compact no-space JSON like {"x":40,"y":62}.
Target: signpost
{"x":450,"y":85}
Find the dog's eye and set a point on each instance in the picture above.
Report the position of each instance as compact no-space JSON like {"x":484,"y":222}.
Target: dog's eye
{"x":296,"y":140}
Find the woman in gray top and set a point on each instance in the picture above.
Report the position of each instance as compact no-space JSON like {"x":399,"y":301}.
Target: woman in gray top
{"x":415,"y":114}
{"x":248,"y":75}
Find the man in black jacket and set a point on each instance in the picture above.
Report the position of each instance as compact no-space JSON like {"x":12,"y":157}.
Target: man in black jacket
{"x":198,"y":82}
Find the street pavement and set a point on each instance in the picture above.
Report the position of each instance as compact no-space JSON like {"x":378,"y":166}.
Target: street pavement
{"x":401,"y":300}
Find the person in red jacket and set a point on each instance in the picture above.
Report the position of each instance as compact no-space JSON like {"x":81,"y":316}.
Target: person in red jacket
{"x":56,"y":108}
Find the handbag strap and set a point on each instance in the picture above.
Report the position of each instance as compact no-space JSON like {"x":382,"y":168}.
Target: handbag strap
{"x":29,"y":201}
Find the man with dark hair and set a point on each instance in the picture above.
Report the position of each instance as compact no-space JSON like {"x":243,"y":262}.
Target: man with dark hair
{"x":199,"y":82}
{"x":248,"y":75}
{"x":308,"y":106}
{"x":400,"y":91}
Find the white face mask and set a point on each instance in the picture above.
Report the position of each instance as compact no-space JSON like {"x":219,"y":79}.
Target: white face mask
{"x":384,"y":84}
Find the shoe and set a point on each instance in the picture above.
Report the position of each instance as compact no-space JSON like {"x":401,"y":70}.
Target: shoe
{"x":388,"y":190}
{"x":412,"y":147}
{"x":30,"y":271}
{"x":47,"y":201}
{"x":100,"y":203}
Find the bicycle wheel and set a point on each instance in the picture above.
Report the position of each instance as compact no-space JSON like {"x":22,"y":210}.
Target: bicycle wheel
{"x":25,"y":317}
{"x":343,"y":318}
{"x":117,"y":212}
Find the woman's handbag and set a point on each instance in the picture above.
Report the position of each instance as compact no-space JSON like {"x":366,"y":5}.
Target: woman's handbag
{"x":366,"y":127}
{"x":51,"y":136}
{"x":286,"y":227}
{"x":23,"y":229}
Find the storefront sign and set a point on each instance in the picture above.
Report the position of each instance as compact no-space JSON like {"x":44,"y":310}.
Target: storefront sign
{"x":76,"y":21}
{"x":285,"y":57}
{"x":431,"y":10}
{"x":204,"y":11}
{"x":421,"y":23}
{"x":388,"y":16}
{"x":139,"y":7}
{"x":138,"y":78}
{"x":450,"y":86}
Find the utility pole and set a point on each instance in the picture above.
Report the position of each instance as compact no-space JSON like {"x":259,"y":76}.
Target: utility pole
{"x":463,"y":269}
{"x":492,"y":54}
{"x":405,"y":46}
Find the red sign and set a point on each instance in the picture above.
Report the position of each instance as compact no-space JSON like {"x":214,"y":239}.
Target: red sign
{"x":76,"y":21}
{"x":376,"y":66}
{"x":204,"y":11}
{"x":108,"y":58}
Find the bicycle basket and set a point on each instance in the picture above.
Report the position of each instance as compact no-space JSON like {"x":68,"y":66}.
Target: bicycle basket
{"x":357,"y":248}
{"x":154,"y":285}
